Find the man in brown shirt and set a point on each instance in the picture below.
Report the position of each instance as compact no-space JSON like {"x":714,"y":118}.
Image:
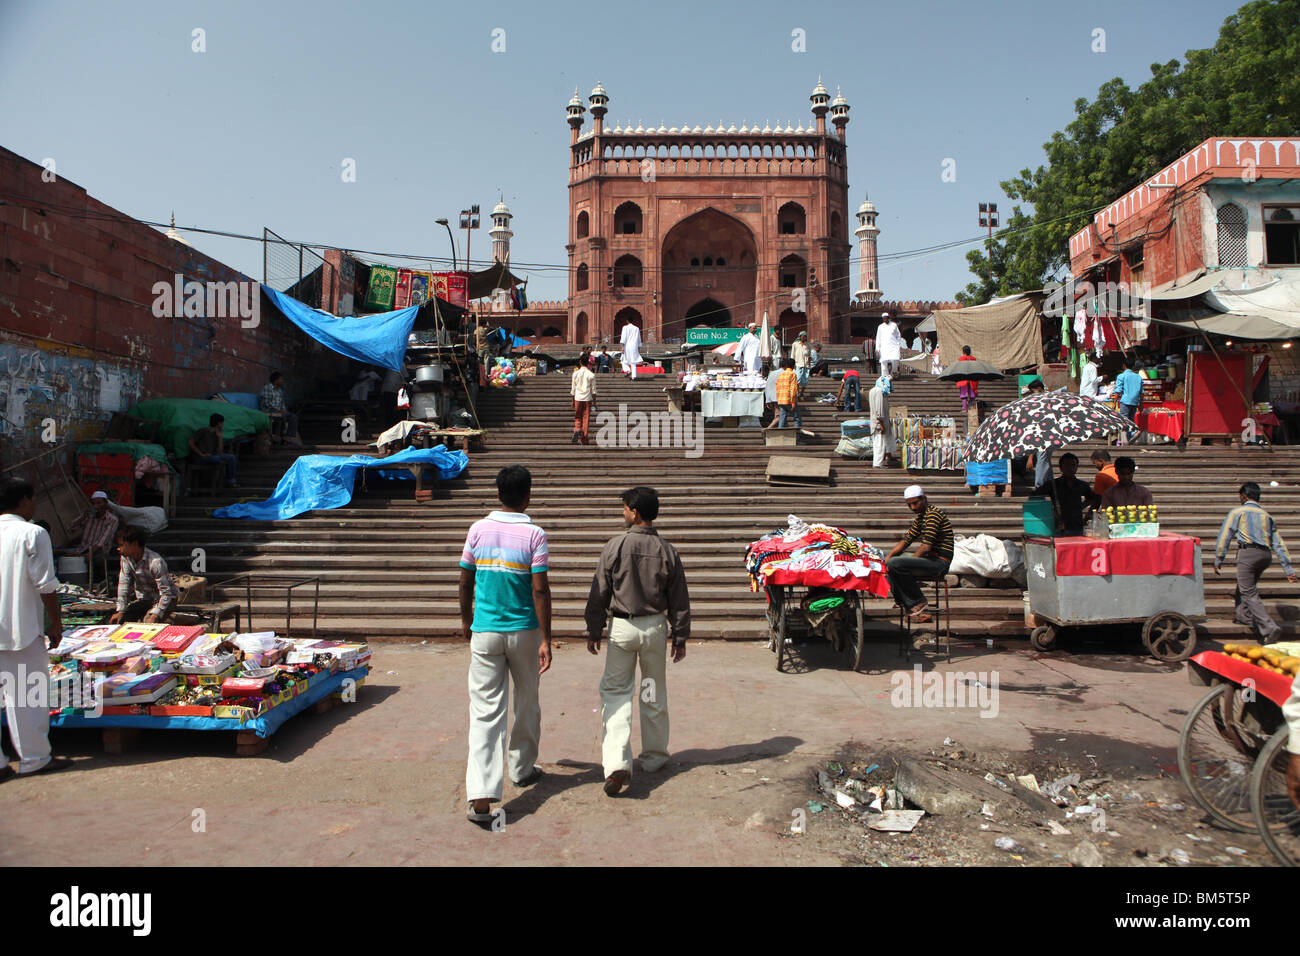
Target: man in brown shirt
{"x":639,"y":580}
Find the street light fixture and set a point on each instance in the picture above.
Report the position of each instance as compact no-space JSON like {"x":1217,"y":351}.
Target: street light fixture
{"x":451,"y":239}
{"x":468,"y":221}
{"x":989,"y":220}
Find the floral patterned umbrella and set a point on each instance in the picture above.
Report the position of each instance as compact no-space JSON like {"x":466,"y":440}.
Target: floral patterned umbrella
{"x":1041,"y":421}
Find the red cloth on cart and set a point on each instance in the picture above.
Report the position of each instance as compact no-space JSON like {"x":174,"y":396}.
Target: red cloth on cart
{"x":1166,"y":554}
{"x":1170,"y":424}
{"x":876,"y":584}
{"x":1276,"y":687}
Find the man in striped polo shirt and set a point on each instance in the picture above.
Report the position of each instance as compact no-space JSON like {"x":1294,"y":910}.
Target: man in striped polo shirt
{"x":505,"y":613}
{"x":1257,"y":539}
{"x":933,"y":555}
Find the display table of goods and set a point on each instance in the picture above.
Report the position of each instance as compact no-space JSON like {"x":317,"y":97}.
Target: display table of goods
{"x":1270,"y":669}
{"x":157,"y":676}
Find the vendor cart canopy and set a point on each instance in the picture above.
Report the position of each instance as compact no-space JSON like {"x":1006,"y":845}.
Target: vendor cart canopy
{"x":1005,"y":333}
{"x":378,"y":339}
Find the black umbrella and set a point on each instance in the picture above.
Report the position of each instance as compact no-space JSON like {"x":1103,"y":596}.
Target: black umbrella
{"x":973,"y":371}
{"x":1041,"y":421}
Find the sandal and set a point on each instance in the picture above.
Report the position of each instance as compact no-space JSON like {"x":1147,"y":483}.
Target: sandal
{"x":615,"y":782}
{"x":473,"y":816}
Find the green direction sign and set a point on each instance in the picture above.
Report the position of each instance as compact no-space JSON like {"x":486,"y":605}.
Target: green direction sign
{"x":707,"y":336}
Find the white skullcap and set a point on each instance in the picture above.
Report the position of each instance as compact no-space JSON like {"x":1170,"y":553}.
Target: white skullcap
{"x":913,"y":491}
{"x":884,"y":315}
{"x":98,"y":494}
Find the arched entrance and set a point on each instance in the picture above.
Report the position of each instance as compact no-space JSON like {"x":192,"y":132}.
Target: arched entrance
{"x":791,"y":323}
{"x":712,"y":255}
{"x":708,"y":313}
{"x":624,"y":316}
{"x":580,"y":329}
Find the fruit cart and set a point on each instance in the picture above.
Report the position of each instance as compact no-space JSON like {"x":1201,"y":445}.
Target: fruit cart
{"x":1155,"y":582}
{"x":1232,"y":751}
{"x":1225,"y":731}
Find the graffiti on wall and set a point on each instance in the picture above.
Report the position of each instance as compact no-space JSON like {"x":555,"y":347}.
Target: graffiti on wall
{"x":78,"y":393}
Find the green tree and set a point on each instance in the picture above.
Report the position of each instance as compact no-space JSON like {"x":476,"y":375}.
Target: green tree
{"x":1248,"y":84}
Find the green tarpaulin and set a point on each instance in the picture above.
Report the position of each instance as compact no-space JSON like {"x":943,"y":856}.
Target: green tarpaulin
{"x":182,"y":417}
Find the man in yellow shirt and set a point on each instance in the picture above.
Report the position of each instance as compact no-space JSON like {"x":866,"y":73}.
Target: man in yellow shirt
{"x":787,"y":394}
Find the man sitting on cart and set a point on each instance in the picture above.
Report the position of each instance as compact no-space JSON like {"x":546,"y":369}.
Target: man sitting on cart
{"x":933,"y":530}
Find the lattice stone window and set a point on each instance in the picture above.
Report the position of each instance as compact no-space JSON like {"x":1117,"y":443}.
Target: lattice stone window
{"x":1232,"y":236}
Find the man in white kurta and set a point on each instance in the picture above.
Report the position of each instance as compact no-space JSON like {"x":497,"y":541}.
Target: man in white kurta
{"x":747,"y":350}
{"x":28,"y":607}
{"x":882,"y":431}
{"x":889,"y":345}
{"x":631,"y":339}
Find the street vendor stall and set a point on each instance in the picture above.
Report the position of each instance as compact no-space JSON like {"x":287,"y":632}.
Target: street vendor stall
{"x":1232,"y":752}
{"x":1155,"y":582}
{"x":123,"y":679}
{"x":814,"y":577}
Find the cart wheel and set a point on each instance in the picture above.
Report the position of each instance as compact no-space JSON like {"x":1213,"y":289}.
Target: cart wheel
{"x":1276,"y":817}
{"x":1169,"y":636}
{"x":780,"y":638}
{"x":1043,"y":638}
{"x":1212,"y":764}
{"x":774,"y":604}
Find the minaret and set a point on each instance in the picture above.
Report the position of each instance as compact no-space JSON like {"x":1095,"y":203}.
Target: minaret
{"x":839,"y":113}
{"x":575,"y":109}
{"x":820,"y":104}
{"x":500,"y":231}
{"x":868,"y":276}
{"x":599,"y":101}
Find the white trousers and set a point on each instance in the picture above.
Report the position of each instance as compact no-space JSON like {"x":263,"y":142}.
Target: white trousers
{"x":643,"y":639}
{"x":497,"y":657}
{"x":630,"y":362}
{"x":882,"y":445}
{"x":29,"y":727}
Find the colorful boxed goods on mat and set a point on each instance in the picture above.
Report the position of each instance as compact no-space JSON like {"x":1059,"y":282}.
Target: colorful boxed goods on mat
{"x":171,"y":671}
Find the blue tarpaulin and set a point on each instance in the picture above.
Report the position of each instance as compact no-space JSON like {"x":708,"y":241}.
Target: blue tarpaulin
{"x":988,"y":472}
{"x":317,"y":482}
{"x":378,"y":339}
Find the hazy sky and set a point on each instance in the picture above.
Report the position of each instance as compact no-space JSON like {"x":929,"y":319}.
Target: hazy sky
{"x":256,"y":130}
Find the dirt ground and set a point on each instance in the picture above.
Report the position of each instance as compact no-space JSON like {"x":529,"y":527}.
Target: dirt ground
{"x":381,"y":781}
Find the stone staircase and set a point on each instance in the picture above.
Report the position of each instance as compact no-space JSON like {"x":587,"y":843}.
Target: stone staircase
{"x":388,"y":566}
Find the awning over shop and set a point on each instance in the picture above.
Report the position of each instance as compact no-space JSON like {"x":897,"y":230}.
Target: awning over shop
{"x":1219,"y":302}
{"x":495,"y":276}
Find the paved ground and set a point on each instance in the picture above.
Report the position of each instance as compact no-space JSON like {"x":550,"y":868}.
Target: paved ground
{"x":381,"y":781}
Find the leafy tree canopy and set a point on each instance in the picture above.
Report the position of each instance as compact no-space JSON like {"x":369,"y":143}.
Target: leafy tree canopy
{"x":1248,"y":84}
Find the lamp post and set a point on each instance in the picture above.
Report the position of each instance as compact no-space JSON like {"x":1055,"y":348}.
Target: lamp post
{"x":468,"y":221}
{"x":989,"y":220}
{"x":451,"y":239}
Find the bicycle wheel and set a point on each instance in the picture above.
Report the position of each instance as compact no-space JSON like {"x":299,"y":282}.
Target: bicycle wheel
{"x":1276,"y":817}
{"x":1212,"y":764}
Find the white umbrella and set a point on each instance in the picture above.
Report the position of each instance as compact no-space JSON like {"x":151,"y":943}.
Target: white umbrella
{"x":764,"y":339}
{"x":728,"y":348}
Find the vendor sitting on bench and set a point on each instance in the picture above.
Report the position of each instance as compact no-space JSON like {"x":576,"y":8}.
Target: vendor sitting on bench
{"x":207,"y":445}
{"x":145,"y":590}
{"x":96,"y":529}
{"x":933,"y":531}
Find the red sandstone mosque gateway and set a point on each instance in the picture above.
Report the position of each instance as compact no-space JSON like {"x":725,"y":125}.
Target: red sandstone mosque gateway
{"x":676,"y":228}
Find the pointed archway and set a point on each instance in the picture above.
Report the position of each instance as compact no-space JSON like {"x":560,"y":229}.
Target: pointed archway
{"x":710,"y":313}
{"x":713,"y":255}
